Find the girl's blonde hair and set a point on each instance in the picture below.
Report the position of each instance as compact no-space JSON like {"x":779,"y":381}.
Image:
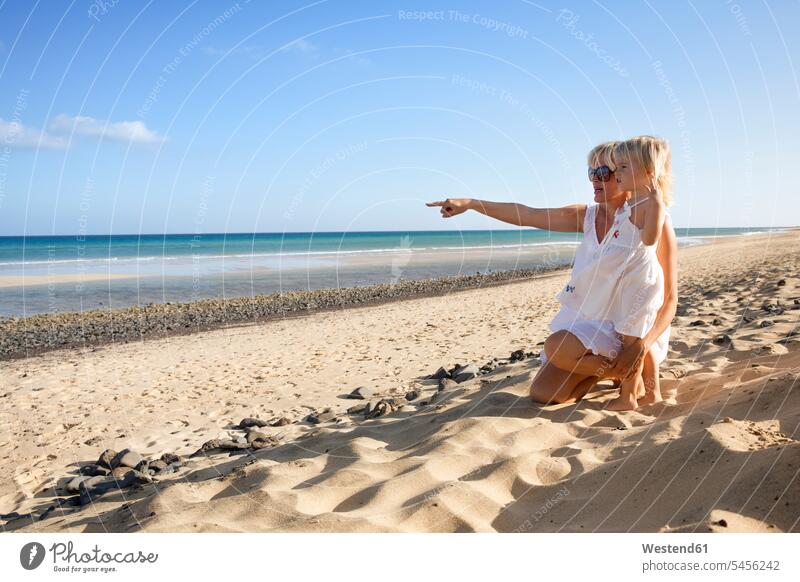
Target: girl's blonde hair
{"x":654,"y":154}
{"x":603,"y":155}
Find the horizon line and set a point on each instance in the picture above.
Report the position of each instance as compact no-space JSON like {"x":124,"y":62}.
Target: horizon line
{"x":2,"y":236}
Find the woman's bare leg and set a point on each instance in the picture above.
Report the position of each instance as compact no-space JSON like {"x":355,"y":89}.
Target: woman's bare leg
{"x":567,"y":352}
{"x":629,"y":389}
{"x":652,"y":385}
{"x":552,"y":385}
{"x":570,"y":372}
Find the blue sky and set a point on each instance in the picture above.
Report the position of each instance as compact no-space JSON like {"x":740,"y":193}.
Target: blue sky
{"x":126,"y":117}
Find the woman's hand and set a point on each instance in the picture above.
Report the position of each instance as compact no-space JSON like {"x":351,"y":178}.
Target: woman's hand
{"x":452,"y":206}
{"x":629,"y":360}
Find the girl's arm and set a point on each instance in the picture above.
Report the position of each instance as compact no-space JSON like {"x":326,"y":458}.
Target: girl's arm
{"x":667,"y":252}
{"x":653,"y":221}
{"x":564,"y":219}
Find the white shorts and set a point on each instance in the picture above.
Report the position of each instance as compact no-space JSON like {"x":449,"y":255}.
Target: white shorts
{"x":600,"y":336}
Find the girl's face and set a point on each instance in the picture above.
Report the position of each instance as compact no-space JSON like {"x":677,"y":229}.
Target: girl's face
{"x":630,"y":174}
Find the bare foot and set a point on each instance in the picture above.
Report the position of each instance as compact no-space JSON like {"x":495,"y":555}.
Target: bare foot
{"x":649,"y":398}
{"x":622,"y":403}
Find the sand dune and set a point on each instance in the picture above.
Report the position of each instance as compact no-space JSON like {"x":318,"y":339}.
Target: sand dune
{"x":719,"y":454}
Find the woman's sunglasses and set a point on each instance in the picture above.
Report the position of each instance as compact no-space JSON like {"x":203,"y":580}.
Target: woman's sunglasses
{"x":603,"y":173}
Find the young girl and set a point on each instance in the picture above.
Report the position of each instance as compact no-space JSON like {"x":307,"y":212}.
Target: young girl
{"x":643,"y":167}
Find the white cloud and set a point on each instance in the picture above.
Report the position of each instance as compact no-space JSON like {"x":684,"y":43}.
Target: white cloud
{"x":254,"y":52}
{"x":15,"y":135}
{"x":303,"y":46}
{"x":258,"y":52}
{"x":134,"y":131}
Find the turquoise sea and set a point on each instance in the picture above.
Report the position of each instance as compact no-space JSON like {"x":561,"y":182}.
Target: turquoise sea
{"x":123,"y":270}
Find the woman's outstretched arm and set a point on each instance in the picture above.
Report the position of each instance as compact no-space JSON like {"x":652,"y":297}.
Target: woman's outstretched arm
{"x":564,"y":219}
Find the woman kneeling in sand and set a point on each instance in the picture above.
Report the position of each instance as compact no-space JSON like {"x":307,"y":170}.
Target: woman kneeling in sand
{"x":582,"y":351}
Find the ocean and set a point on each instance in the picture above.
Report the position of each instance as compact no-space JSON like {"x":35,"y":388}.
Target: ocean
{"x":43,"y":274}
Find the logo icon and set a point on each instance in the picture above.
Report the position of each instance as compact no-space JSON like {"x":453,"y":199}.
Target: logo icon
{"x":616,"y":234}
{"x":570,"y":288}
{"x":31,"y":555}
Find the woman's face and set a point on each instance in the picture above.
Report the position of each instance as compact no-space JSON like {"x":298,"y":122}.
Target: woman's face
{"x":605,"y":191}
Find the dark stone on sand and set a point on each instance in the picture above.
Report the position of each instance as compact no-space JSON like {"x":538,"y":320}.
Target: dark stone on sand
{"x":89,"y":490}
{"x":158,"y":466}
{"x":120,"y":472}
{"x":126,"y":458}
{"x":464,"y":373}
{"x":362,"y":393}
{"x":716,"y":321}
{"x":488,"y":367}
{"x":413,"y":394}
{"x":721,"y":523}
{"x":93,"y":470}
{"x":106,"y":457}
{"x":767,"y":323}
{"x":781,"y":282}
{"x":248,"y":422}
{"x":722,"y":339}
{"x":73,"y":485}
{"x":282,"y":421}
{"x":216,"y":445}
{"x":260,"y":440}
{"x":517,"y":355}
{"x":92,"y":441}
{"x":698,"y":323}
{"x":381,"y":408}
{"x":439,"y":374}
{"x":358,"y":408}
{"x":325,"y":415}
{"x":170,"y":458}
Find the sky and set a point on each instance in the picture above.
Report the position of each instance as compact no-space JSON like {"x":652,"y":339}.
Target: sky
{"x":123,"y":117}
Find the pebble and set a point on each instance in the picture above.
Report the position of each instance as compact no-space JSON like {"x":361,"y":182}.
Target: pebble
{"x":259,"y":440}
{"x":106,"y":457}
{"x":464,"y":373}
{"x":362,"y":393}
{"x":93,"y":470}
{"x":158,"y":466}
{"x":723,"y":339}
{"x":171,"y":458}
{"x":325,"y":415}
{"x":215,"y":445}
{"x":358,"y":408}
{"x":282,"y":421}
{"x":381,"y":408}
{"x":248,"y":422}
{"x":413,"y":394}
{"x":126,"y":458}
{"x":439,"y":374}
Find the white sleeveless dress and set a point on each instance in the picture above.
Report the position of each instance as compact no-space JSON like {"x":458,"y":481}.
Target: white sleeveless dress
{"x":616,"y":287}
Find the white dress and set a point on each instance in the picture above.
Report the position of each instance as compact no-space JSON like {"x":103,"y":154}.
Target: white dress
{"x":616,"y":287}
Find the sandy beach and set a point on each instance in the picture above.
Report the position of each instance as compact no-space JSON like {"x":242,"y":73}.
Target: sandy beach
{"x":719,"y":454}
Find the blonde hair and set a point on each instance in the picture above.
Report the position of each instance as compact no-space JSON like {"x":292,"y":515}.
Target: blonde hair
{"x":603,"y":155}
{"x":654,"y":154}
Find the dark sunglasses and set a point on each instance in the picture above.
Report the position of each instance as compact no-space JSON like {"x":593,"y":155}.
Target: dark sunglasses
{"x":603,"y":173}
